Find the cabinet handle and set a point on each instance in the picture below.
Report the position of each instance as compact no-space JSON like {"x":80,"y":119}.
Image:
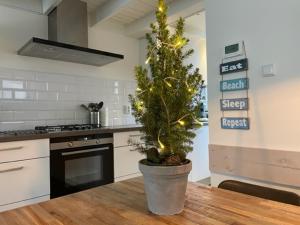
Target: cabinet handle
{"x":12,"y":169}
{"x":135,"y":135}
{"x":11,"y":149}
{"x":84,"y":151}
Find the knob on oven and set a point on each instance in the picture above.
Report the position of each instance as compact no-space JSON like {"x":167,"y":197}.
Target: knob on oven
{"x":70,"y":144}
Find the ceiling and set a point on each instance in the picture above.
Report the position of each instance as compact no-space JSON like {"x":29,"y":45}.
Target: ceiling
{"x":94,"y":4}
{"x":28,"y":5}
{"x":134,"y":14}
{"x":134,"y":10}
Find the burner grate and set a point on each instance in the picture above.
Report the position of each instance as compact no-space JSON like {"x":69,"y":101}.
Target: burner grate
{"x":69,"y":127}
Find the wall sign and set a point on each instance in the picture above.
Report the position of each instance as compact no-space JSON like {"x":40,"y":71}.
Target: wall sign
{"x":234,"y":66}
{"x":239,"y":123}
{"x":234,"y":85}
{"x":234,"y":104}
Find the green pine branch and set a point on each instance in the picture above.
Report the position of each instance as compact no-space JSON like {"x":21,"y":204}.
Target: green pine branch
{"x":167,"y":101}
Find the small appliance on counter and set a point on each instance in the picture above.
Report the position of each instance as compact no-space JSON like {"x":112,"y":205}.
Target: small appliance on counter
{"x":94,"y":110}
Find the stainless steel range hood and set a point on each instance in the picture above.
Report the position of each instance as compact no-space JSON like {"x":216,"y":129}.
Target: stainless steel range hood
{"x":68,"y":38}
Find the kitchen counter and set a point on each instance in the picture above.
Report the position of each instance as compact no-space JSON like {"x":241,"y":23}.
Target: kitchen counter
{"x":125,"y":203}
{"x":110,"y":129}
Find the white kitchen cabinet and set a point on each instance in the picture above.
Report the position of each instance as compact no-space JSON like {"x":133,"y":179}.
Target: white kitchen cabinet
{"x":25,"y":175}
{"x":121,"y":139}
{"x":24,"y":203}
{"x":126,"y":163}
{"x":21,"y":150}
{"x":125,"y":157}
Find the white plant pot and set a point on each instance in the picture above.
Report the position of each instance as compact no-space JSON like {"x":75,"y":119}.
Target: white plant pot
{"x":165,"y":187}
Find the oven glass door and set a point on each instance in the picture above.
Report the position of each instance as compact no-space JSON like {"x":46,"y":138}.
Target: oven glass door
{"x":78,"y":169}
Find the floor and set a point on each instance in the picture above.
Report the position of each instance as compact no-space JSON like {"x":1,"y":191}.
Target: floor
{"x":205,"y":181}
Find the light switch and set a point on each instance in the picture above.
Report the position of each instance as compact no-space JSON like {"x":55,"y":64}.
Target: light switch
{"x":268,"y":70}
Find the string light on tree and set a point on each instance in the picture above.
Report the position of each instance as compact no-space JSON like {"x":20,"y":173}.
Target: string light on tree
{"x":181,"y":122}
{"x":161,"y":145}
{"x":167,"y":104}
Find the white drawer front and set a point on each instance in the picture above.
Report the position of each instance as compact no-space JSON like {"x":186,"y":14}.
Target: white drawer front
{"x":126,"y":161}
{"x":121,"y":139}
{"x":24,"y":203}
{"x":24,"y":180}
{"x":20,"y":150}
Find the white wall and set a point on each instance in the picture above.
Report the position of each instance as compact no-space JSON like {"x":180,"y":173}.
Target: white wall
{"x":40,"y":95}
{"x":17,"y":27}
{"x":270,"y":31}
{"x":199,"y":156}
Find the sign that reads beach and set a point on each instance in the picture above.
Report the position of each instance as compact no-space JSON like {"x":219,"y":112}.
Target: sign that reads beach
{"x":234,"y":104}
{"x":240,"y":123}
{"x":234,"y":85}
{"x":234,"y":66}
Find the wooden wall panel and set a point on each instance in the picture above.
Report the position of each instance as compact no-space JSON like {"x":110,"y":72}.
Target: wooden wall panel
{"x":282,"y":167}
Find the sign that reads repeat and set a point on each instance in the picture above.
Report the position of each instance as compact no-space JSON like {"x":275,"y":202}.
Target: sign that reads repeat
{"x":233,"y":67}
{"x":234,"y":85}
{"x":234,"y":104}
{"x":240,"y":123}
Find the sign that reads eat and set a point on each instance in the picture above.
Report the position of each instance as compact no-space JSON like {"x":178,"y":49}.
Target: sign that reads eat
{"x":234,"y":66}
{"x":234,"y":104}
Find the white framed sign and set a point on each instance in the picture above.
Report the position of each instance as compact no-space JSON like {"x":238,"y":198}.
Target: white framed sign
{"x":233,"y":50}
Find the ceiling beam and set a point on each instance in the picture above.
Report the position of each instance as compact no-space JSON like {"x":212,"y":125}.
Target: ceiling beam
{"x":107,"y":10}
{"x":49,"y":5}
{"x":176,"y":9}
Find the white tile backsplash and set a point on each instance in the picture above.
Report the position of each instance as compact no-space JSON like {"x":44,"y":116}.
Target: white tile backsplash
{"x":31,"y":98}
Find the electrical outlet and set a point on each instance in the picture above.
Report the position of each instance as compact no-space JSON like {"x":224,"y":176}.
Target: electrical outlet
{"x":126,"y":109}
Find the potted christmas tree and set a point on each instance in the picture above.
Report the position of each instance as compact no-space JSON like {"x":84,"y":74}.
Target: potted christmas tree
{"x":167,"y":104}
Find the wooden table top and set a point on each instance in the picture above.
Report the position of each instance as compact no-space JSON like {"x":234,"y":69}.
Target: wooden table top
{"x":124,"y":203}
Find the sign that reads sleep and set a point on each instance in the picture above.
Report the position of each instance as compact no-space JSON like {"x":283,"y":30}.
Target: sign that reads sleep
{"x":234,"y":104}
{"x":234,"y":85}
{"x":240,"y":123}
{"x":234,"y":66}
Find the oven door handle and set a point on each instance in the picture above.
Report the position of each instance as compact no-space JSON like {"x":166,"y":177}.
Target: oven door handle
{"x":84,"y":151}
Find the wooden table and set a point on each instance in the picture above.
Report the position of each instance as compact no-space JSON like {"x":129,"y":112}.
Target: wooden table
{"x":124,"y":203}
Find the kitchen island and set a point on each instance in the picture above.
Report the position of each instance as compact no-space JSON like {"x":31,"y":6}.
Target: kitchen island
{"x":124,"y":203}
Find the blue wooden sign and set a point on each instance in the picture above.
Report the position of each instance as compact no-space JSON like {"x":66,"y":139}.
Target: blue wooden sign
{"x":239,"y":123}
{"x":234,"y":85}
{"x":233,"y":67}
{"x":234,"y":104}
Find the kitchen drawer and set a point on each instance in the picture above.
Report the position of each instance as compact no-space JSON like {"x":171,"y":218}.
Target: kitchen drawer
{"x":24,"y":180}
{"x":126,"y":161}
{"x":24,"y":203}
{"x":121,"y":139}
{"x":21,"y":150}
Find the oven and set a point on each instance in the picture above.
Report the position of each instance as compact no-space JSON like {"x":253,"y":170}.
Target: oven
{"x":79,"y":163}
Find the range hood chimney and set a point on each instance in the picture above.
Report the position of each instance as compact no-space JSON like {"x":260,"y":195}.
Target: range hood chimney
{"x":68,"y":38}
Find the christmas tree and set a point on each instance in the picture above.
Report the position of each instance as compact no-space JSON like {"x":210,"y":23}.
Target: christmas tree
{"x":167,"y":98}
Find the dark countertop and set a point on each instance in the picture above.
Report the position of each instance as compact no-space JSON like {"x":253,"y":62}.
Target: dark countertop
{"x":110,"y":129}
